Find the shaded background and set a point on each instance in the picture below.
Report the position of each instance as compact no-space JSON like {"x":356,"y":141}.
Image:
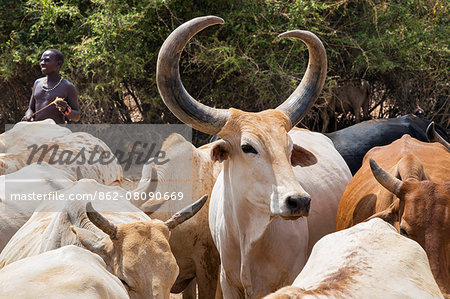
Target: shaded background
{"x":397,"y":50}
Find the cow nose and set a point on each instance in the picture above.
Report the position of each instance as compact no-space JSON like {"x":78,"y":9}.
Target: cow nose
{"x":297,"y":205}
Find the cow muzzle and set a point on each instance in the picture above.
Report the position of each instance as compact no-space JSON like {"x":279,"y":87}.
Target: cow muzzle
{"x":292,"y":207}
{"x":289,"y":204}
{"x":296,"y":206}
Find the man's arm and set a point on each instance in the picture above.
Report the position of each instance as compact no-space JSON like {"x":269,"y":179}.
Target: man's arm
{"x":72,"y":100}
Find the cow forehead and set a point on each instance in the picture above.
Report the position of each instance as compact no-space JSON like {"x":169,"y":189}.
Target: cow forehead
{"x":426,"y":192}
{"x":143,"y":232}
{"x":268,"y":122}
{"x":426,"y":199}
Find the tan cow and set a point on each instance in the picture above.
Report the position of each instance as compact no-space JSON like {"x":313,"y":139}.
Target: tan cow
{"x":67,"y":272}
{"x":271,"y":177}
{"x":368,"y":260}
{"x":413,"y":193}
{"x":352,"y":96}
{"x":189,"y":170}
{"x":134,"y":247}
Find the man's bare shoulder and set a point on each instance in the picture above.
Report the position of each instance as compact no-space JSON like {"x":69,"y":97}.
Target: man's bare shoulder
{"x":39,"y":81}
{"x":67,"y":83}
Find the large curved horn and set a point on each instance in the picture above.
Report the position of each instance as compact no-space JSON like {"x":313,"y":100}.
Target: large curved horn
{"x":177,"y":99}
{"x":186,"y":213}
{"x":434,"y":136}
{"x":386,"y":179}
{"x":304,"y":96}
{"x":100,"y":221}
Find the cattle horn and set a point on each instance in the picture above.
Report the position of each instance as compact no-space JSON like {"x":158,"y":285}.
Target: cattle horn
{"x":186,"y":213}
{"x":79,"y":173}
{"x":148,"y":184}
{"x":100,"y":221}
{"x":177,"y":99}
{"x":386,"y":179}
{"x":304,"y":96}
{"x":434,"y":136}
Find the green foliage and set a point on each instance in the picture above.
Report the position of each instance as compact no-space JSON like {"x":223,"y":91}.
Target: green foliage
{"x":111,"y":49}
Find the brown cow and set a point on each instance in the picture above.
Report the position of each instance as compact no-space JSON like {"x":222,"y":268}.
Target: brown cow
{"x":414,"y":195}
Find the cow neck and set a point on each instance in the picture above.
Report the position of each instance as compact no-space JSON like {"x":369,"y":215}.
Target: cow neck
{"x":251,"y":221}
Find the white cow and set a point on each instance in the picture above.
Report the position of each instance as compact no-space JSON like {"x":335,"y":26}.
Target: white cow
{"x":24,"y":134}
{"x":368,"y":260}
{"x":67,"y":272}
{"x":77,"y":153}
{"x":37,"y":179}
{"x":271,"y":177}
{"x":243,"y":220}
{"x":134,"y":247}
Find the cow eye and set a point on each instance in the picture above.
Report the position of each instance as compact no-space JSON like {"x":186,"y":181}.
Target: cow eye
{"x":246,"y":148}
{"x":403,"y":232}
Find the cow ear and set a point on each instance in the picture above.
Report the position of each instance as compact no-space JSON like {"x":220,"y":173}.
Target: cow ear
{"x":99,"y":245}
{"x":220,"y":151}
{"x":390,"y":215}
{"x":302,"y":157}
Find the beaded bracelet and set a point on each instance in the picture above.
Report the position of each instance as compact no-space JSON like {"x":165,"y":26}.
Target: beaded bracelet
{"x":68,"y":111}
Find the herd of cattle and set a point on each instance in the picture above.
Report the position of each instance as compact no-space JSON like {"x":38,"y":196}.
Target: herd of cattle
{"x":363,"y":212}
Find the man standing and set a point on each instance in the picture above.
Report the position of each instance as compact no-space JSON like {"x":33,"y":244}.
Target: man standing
{"x":47,"y":89}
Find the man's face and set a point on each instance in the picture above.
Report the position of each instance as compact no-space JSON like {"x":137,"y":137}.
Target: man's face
{"x":49,"y":63}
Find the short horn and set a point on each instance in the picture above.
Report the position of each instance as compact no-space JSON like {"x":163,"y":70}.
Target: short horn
{"x":177,"y":99}
{"x":386,"y":179}
{"x":186,"y":213}
{"x":101,"y":222}
{"x":434,"y":136}
{"x":148,"y":185}
{"x":304,"y":96}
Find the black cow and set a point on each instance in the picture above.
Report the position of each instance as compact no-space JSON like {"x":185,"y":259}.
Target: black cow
{"x":355,"y":141}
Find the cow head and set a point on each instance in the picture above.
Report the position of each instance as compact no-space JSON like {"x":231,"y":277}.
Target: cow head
{"x":256,"y":146}
{"x":138,"y":253}
{"x":259,"y":152}
{"x":421,"y":212}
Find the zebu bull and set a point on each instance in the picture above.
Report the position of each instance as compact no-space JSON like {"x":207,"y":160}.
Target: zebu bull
{"x":268,"y":171}
{"x":410,"y":189}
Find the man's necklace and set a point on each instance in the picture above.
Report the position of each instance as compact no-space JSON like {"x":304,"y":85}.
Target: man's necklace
{"x":50,"y":89}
